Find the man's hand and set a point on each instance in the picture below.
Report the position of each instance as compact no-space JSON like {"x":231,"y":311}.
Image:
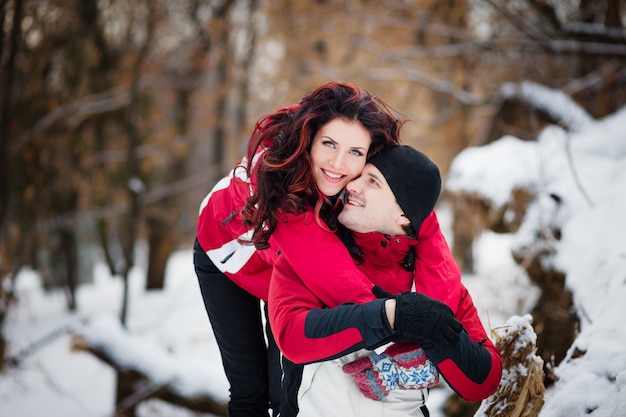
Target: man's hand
{"x":421,"y":319}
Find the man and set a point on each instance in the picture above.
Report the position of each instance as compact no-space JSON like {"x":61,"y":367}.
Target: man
{"x":389,"y":210}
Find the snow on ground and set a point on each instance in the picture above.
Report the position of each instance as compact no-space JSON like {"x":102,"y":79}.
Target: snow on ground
{"x":56,"y":381}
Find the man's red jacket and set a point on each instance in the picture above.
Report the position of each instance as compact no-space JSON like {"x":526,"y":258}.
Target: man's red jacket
{"x":307,"y":330}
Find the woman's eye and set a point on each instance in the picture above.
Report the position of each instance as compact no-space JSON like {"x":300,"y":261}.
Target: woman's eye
{"x":356,"y":152}
{"x":328,"y":143}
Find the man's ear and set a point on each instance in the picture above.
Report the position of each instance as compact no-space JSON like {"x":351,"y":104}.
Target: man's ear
{"x":402,"y":220}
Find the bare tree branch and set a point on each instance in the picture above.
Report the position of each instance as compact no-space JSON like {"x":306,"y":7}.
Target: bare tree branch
{"x":518,"y":22}
{"x":106,"y":101}
{"x":578,"y":28}
{"x":595,"y":78}
{"x":540,"y":40}
{"x":572,"y":166}
{"x":547,"y":10}
{"x":595,"y":29}
{"x":39,"y":344}
{"x":573,"y":46}
{"x":113,"y":210}
{"x":114,"y":99}
{"x":440,"y":85}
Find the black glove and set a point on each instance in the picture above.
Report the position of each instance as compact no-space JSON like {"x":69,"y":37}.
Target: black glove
{"x":421,"y":319}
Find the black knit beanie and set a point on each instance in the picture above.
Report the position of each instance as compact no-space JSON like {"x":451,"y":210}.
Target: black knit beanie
{"x":414,"y":179}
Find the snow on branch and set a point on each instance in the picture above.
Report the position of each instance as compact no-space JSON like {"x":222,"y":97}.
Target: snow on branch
{"x":596,"y":29}
{"x":187,"y":382}
{"x":554,"y":102}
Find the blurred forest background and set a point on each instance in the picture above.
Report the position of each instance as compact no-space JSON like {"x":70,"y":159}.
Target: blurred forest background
{"x":118,"y":116}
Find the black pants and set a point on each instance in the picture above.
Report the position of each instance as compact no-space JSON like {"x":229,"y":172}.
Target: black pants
{"x":252,"y":366}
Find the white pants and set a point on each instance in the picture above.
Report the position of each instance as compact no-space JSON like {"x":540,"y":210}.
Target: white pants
{"x":326,"y":391}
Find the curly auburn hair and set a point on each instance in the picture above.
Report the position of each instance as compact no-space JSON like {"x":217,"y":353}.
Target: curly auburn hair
{"x":285,"y":182}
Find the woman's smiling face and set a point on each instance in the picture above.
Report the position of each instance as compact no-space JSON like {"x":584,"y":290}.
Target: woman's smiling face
{"x":339,"y":153}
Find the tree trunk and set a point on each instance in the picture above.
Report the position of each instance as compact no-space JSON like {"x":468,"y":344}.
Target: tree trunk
{"x":68,"y":248}
{"x":7,"y":72}
{"x":161,"y":246}
{"x":124,"y":392}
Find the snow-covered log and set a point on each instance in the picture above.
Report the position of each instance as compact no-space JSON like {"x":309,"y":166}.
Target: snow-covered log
{"x":185,"y":382}
{"x":521,"y":390}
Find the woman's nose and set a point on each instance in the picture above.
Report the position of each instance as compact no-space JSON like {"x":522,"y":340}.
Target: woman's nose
{"x":337,"y":161}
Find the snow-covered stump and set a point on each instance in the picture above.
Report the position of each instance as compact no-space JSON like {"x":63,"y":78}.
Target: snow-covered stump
{"x":151,"y":372}
{"x":520,"y":393}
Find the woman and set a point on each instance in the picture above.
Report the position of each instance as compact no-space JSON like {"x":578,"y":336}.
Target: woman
{"x":282,"y":198}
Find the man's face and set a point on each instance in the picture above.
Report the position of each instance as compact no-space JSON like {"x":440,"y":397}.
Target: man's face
{"x":371,"y":205}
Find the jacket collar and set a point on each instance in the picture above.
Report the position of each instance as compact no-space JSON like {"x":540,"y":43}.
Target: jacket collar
{"x":381,"y":250}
